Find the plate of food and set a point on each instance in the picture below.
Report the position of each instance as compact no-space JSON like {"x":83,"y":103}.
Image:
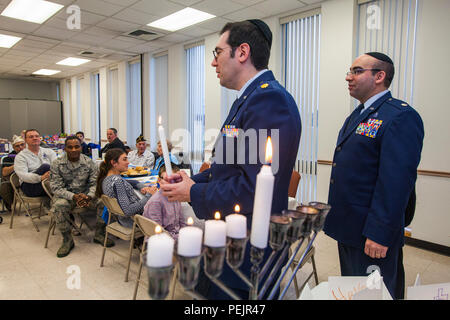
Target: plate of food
{"x":135,"y":172}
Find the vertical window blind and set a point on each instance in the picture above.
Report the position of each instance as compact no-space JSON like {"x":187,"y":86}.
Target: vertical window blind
{"x":227,"y":97}
{"x":390,"y":26}
{"x":134,"y":106}
{"x":79,"y":105}
{"x":195,"y":79}
{"x":113,"y":98}
{"x":67,"y":106}
{"x":95,"y":108}
{"x":158,"y":95}
{"x":300,"y":58}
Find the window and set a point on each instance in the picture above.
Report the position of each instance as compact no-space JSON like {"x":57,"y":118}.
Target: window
{"x":95,"y":108}
{"x":195,"y":79}
{"x":113,"y":98}
{"x":301,"y":52}
{"x":134,"y":108}
{"x":67,"y":106}
{"x":158,"y":95}
{"x":79,"y":105}
{"x":390,"y":27}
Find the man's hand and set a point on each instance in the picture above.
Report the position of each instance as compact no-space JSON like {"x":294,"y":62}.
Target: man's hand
{"x":45,"y":176}
{"x":375,"y":250}
{"x":81,"y":200}
{"x":177,"y":191}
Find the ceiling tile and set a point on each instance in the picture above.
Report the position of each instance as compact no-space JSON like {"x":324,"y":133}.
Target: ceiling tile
{"x":16,"y":25}
{"x":175,"y":38}
{"x":245,"y":14}
{"x":88,"y":39}
{"x":65,"y":49}
{"x":311,"y":1}
{"x":63,"y":2}
{"x":195,"y":31}
{"x":117,"y":44}
{"x":54,"y":33}
{"x":248,"y":2}
{"x":124,"y":3}
{"x":159,"y":43}
{"x":86,"y":17}
{"x":214,"y":24}
{"x":62,"y":24}
{"x":43,"y":39}
{"x":99,"y":7}
{"x":22,"y":53}
{"x":101,"y":32}
{"x":274,"y":7}
{"x":157,"y":7}
{"x":130,"y":39}
{"x":135,"y":16}
{"x":143,"y":48}
{"x":118,"y":25}
{"x":186,"y":3}
{"x":218,"y":8}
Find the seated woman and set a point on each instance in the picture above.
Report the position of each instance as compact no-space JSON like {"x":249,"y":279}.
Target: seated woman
{"x":159,"y":162}
{"x":168,"y":214}
{"x":111,"y":183}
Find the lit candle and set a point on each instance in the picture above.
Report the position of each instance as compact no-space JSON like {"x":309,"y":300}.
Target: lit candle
{"x":263,"y":202}
{"x":163,"y":140}
{"x":215,"y":232}
{"x":190,"y":240}
{"x":160,"y":249}
{"x":236,"y":224}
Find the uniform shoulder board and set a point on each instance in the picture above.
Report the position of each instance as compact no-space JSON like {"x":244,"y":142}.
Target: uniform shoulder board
{"x":398,"y":103}
{"x":264,"y":85}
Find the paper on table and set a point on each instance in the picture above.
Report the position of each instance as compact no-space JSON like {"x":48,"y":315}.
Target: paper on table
{"x":438,"y":291}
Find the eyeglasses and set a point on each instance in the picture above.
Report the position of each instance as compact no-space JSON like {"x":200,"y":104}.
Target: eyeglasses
{"x":356,"y":72}
{"x":218,"y":51}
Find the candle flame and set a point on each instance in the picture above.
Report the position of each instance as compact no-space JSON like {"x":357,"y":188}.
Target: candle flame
{"x":158,"y":229}
{"x":269,"y":150}
{"x":237,"y":208}
{"x":159,"y":120}
{"x":190,"y":221}
{"x":217,"y":215}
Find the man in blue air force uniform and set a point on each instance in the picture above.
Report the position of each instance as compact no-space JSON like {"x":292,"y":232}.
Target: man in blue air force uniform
{"x":373,"y":175}
{"x":263,"y":107}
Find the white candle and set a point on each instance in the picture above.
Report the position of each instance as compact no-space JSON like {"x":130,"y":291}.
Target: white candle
{"x":263,"y":203}
{"x":236,"y":225}
{"x":163,"y":140}
{"x":215,"y":232}
{"x":160,"y":250}
{"x":190,"y":240}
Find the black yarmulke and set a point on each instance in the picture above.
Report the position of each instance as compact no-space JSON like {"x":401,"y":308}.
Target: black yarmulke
{"x":380,"y":56}
{"x":264,"y":28}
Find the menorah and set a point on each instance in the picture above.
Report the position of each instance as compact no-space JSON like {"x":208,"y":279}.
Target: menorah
{"x":284,"y":229}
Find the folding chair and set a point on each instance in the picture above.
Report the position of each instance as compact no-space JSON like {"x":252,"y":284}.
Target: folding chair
{"x":118,"y":230}
{"x":147,"y":227}
{"x":25,"y":201}
{"x":52,"y":225}
{"x":309,"y":256}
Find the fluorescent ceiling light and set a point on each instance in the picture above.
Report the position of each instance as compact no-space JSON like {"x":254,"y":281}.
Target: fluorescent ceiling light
{"x":8,"y":41}
{"x":36,"y":11}
{"x":73,"y":61}
{"x":46,"y":72}
{"x":181,"y":19}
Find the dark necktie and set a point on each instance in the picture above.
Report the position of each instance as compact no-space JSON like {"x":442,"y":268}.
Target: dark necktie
{"x":354,"y":117}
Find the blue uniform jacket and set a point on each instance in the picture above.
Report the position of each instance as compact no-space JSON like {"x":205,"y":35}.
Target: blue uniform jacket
{"x":374,"y":171}
{"x":265,"y":104}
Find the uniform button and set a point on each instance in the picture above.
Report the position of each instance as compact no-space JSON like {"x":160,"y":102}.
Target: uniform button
{"x":332,"y":181}
{"x":334,"y":164}
{"x":338,"y":149}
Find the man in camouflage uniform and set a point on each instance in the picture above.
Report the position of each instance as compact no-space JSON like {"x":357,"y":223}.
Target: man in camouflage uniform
{"x":73,"y":179}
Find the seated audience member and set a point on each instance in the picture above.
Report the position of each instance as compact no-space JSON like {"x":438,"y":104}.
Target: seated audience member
{"x":73,"y":180}
{"x":32,"y":165}
{"x":113,"y":141}
{"x":159,"y":162}
{"x":127,"y":192}
{"x":127,"y":149}
{"x":164,"y":212}
{"x":6,"y":190}
{"x":84,"y":147}
{"x":141,"y":157}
